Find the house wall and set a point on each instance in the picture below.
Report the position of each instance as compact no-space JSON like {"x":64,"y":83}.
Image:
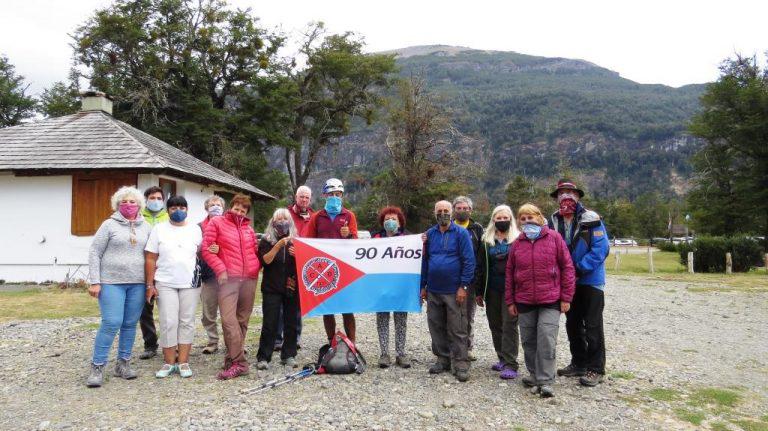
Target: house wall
{"x":37,"y":243}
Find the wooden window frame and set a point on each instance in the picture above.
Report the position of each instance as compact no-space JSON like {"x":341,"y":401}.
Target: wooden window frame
{"x":170,"y":182}
{"x":97,"y":207}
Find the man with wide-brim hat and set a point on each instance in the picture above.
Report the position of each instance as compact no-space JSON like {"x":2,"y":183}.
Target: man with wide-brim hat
{"x":587,"y":240}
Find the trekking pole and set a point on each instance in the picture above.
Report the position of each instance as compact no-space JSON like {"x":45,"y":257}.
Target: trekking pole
{"x":307,"y":371}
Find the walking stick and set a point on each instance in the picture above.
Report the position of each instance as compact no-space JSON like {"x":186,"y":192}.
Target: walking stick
{"x":307,"y":371}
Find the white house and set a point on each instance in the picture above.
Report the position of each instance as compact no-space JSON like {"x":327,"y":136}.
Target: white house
{"x":56,"y":178}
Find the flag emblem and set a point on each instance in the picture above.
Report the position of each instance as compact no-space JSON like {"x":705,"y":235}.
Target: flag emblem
{"x":320,"y":275}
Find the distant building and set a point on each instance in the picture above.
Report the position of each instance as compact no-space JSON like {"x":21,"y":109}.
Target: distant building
{"x":57,"y":175}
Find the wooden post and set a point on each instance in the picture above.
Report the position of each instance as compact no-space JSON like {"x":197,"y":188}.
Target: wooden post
{"x":616,"y":264}
{"x":765,"y":260}
{"x":690,"y":262}
{"x":728,"y":263}
{"x":650,"y":261}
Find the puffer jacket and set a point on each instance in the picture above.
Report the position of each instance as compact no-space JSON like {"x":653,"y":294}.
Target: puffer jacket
{"x":541,"y":271}
{"x":237,"y":246}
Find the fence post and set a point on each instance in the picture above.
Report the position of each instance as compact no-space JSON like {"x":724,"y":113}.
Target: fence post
{"x":690,"y":262}
{"x":728,"y":263}
{"x":765,"y":260}
{"x":616,"y":263}
{"x":650,"y":260}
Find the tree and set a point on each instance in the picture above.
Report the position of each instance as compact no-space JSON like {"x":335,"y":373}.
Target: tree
{"x":522,"y":190}
{"x":339,"y":82}
{"x":731,"y":170}
{"x":61,"y":98}
{"x":15,"y":104}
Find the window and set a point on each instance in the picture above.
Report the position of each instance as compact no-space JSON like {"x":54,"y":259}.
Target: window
{"x":91,"y":193}
{"x":168,"y":186}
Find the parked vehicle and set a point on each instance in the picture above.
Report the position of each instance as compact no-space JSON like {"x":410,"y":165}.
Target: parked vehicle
{"x":624,"y":242}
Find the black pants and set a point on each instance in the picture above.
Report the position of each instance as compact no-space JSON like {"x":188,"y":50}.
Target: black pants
{"x":271,"y":303}
{"x":279,"y":338}
{"x":147,"y":324}
{"x":584,"y":324}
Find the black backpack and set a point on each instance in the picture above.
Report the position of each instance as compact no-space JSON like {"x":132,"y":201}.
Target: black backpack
{"x":340,"y":357}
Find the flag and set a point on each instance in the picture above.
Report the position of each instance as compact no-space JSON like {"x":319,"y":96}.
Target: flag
{"x":358,"y":276}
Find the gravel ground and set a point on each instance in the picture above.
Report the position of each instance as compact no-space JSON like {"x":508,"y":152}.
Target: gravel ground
{"x":659,"y":335}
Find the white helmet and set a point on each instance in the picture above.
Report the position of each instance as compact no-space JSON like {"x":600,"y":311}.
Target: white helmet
{"x":333,"y":185}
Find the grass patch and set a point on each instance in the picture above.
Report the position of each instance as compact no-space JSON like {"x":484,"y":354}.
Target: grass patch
{"x":690,"y":351}
{"x":47,"y":304}
{"x":663,"y":262}
{"x":693,"y":417}
{"x":764,"y":418}
{"x":663,"y":394}
{"x":714,"y":396}
{"x":718,"y":426}
{"x":748,"y":425}
{"x":626,"y":375}
{"x":88,"y":326}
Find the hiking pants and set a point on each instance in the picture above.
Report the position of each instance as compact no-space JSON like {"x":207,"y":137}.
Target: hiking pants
{"x":538,"y":332}
{"x":584,"y":325}
{"x":449,"y":330}
{"x":504,"y":331}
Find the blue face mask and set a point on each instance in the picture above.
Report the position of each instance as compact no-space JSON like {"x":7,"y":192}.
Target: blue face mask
{"x":333,"y":205}
{"x":531,"y":230}
{"x":179,"y":216}
{"x":391,"y":225}
{"x":155,"y":205}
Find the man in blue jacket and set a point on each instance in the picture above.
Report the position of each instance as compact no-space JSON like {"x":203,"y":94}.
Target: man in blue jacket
{"x":448,"y":267}
{"x":587,"y":240}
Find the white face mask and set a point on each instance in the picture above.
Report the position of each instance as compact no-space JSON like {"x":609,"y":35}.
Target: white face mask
{"x":215,"y":210}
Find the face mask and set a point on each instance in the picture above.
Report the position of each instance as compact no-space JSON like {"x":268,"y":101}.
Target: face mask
{"x":155,"y":205}
{"x":333,"y":205}
{"x":178,"y":216}
{"x":128,"y":211}
{"x":461,"y":216}
{"x":391,"y":225}
{"x":502,"y":226}
{"x":215,"y":210}
{"x":443,"y":219}
{"x":531,"y":230}
{"x":281,"y":227}
{"x":567,"y":206}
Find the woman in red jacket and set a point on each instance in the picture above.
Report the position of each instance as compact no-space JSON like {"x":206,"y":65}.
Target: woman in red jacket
{"x":540,"y":282}
{"x":237,"y":267}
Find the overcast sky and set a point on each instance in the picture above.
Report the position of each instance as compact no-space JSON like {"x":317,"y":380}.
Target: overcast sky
{"x":671,"y":42}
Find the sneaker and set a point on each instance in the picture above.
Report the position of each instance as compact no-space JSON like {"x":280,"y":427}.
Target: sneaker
{"x":508,"y":373}
{"x":148,"y":354}
{"x":403,"y":361}
{"x":471,"y":356}
{"x":591,"y":379}
{"x":498,"y":366}
{"x":236,"y":370}
{"x":546,"y":391}
{"x":384,"y":361}
{"x":462,"y":375}
{"x":185,"y":371}
{"x":571,"y":371}
{"x":96,"y":378}
{"x":437,"y":368}
{"x":123,"y":369}
{"x":535,"y":390}
{"x":262,"y":365}
{"x":210,"y":349}
{"x":290,"y":362}
{"x":166,"y":371}
{"x":529,"y":381}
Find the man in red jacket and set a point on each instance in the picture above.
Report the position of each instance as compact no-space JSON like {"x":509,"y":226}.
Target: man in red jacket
{"x":335,"y":222}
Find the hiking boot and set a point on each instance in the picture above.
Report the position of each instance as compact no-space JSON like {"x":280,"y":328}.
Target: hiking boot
{"x":546,"y":391}
{"x":210,"y":349}
{"x":462,"y":375}
{"x":289,"y":362}
{"x":185,"y":371}
{"x":471,"y":356}
{"x":166,"y":371}
{"x":384,"y":361}
{"x":148,"y":354}
{"x":262,"y":365}
{"x":591,"y":379}
{"x":278,"y":347}
{"x":535,"y":390}
{"x":508,"y":373}
{"x":403,"y":361}
{"x":571,"y":371}
{"x":498,"y":366}
{"x":123,"y":369}
{"x":529,"y":381}
{"x":96,"y":378}
{"x":236,"y":370}
{"x":437,"y":368}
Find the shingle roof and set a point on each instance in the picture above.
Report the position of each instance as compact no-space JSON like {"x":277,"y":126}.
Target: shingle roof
{"x":96,"y":140}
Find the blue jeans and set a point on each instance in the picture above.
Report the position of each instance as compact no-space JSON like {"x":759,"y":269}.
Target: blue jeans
{"x":120,"y":306}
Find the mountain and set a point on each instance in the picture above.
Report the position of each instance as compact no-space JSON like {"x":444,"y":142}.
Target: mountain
{"x":530,"y":115}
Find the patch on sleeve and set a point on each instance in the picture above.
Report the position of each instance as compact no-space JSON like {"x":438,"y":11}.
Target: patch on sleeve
{"x":597,"y":233}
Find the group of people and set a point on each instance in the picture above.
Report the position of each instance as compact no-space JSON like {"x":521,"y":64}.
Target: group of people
{"x":148,"y":251}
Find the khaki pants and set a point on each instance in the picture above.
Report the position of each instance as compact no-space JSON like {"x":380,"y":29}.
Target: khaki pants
{"x":209,"y":296}
{"x":177,"y":314}
{"x":236,"y":305}
{"x":448,"y":327}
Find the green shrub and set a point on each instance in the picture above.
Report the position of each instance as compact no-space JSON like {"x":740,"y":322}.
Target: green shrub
{"x":667,"y":246}
{"x":709,"y":253}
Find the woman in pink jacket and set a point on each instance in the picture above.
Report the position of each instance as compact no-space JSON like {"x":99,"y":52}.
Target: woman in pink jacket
{"x":540,"y":282}
{"x":237,"y":267}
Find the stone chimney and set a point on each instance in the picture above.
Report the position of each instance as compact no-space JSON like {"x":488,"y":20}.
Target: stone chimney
{"x":96,"y":101}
